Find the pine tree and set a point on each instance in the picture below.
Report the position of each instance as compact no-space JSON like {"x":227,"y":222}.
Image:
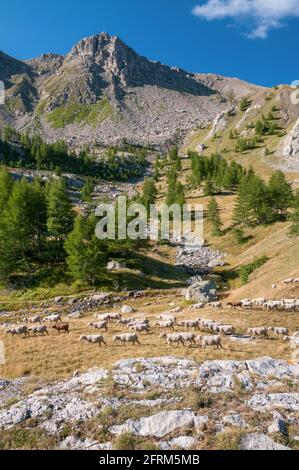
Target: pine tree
{"x":214,"y":216}
{"x":208,"y":187}
{"x":87,"y":190}
{"x":149,"y":193}
{"x":281,"y":194}
{"x":179,"y":194}
{"x":60,"y":214}
{"x":173,"y":154}
{"x":21,"y":226}
{"x":6,"y":184}
{"x":86,"y":254}
{"x":171,"y":187}
{"x":259,"y":128}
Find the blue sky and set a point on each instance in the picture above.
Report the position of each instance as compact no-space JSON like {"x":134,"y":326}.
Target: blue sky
{"x":252,"y":39}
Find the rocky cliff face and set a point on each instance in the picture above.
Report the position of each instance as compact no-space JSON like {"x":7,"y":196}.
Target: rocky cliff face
{"x":103,"y":91}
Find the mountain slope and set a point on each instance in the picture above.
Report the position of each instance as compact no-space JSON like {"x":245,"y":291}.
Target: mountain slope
{"x":102,"y":92}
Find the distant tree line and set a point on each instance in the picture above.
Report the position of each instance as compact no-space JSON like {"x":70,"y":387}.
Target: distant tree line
{"x":30,"y":151}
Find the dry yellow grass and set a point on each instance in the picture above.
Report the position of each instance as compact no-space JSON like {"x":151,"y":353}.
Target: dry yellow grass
{"x":57,"y":356}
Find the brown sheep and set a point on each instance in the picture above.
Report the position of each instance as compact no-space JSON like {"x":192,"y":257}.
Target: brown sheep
{"x":61,"y":327}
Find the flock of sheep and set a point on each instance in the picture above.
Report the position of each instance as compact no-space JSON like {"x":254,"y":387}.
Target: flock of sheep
{"x":166,"y":321}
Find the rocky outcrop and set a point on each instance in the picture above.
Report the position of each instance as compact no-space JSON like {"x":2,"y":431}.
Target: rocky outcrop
{"x":161,"y":424}
{"x":291,"y":150}
{"x":201,"y":291}
{"x":72,"y":403}
{"x":259,"y":441}
{"x":286,"y":401}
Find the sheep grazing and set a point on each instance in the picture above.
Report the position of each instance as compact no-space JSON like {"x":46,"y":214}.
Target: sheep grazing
{"x":215,"y":305}
{"x":278,"y":330}
{"x":165,"y":317}
{"x":36,"y":319}
{"x":94,"y":339}
{"x":127,"y":338}
{"x":225,"y":329}
{"x":139,"y":327}
{"x":198,"y":306}
{"x":188,"y":337}
{"x":247,"y":304}
{"x":261,"y":331}
{"x":175,"y":310}
{"x":290,"y":280}
{"x":114,"y":317}
{"x":103,"y":325}
{"x":189,"y":324}
{"x":39,"y":330}
{"x":61,"y":327}
{"x":102,"y":317}
{"x":210,"y":341}
{"x":17,"y":331}
{"x":124,"y":321}
{"x":173,"y":338}
{"x":53,"y":318}
{"x":287,"y":338}
{"x":165,"y":324}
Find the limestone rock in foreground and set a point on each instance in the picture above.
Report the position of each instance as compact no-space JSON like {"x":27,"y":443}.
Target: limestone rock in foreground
{"x":160,"y":424}
{"x":56,"y":404}
{"x":259,"y":441}
{"x":75,"y":443}
{"x":182,"y":442}
{"x":263,"y":402}
{"x":168,"y":372}
{"x":234,"y":419}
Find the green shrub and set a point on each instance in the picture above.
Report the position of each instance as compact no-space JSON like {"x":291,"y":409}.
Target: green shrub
{"x":248,"y":269}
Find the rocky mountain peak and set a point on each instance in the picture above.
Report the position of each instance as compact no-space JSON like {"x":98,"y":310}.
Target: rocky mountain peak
{"x":93,"y":46}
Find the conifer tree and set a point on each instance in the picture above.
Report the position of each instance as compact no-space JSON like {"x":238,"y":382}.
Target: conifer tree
{"x":214,"y":216}
{"x":86,"y":254}
{"x":149,"y":193}
{"x":6,"y":184}
{"x":59,"y":212}
{"x":281,"y":194}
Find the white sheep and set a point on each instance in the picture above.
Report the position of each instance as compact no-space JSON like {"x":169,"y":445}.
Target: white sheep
{"x":260,"y":331}
{"x":53,"y":318}
{"x":114,"y":316}
{"x":198,"y":306}
{"x":35,"y":319}
{"x":124,"y":321}
{"x":126,"y":338}
{"x":225,"y":329}
{"x":189,"y":324}
{"x":17,"y":331}
{"x":279,"y":330}
{"x":102,"y":317}
{"x":164,"y":324}
{"x":140,"y":327}
{"x":173,"y":338}
{"x":215,"y":305}
{"x":41,"y":329}
{"x":103,"y":325}
{"x":175,"y":310}
{"x":210,"y":341}
{"x":290,"y":280}
{"x":188,"y":337}
{"x":93,"y":339}
{"x":166,"y":316}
